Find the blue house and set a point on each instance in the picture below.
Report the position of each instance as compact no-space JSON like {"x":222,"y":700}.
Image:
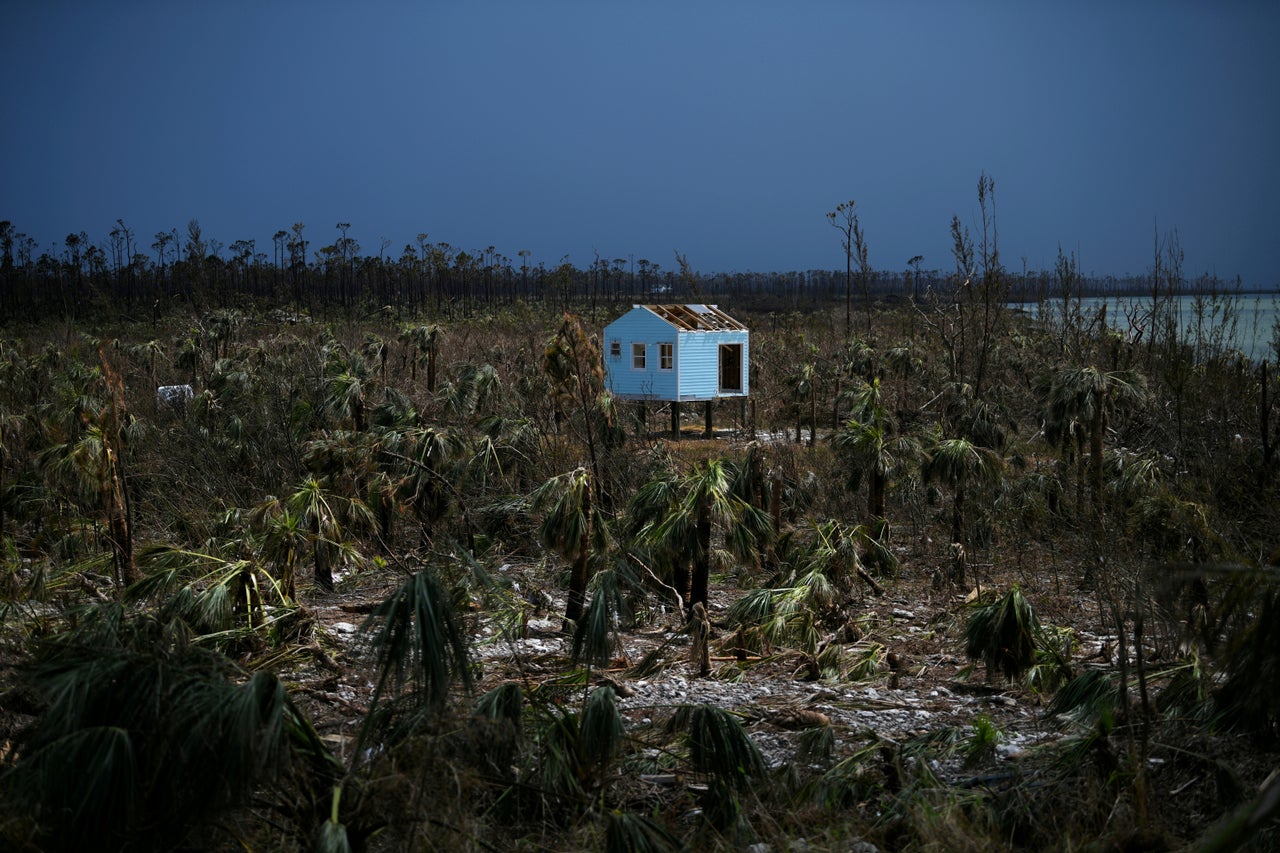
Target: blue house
{"x":676,"y":354}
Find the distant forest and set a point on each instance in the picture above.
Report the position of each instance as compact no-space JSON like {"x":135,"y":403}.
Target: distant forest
{"x":193,"y":271}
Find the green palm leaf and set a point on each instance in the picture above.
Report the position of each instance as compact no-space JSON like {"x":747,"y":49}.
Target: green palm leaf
{"x":600,"y":730}
{"x":1002,"y":634}
{"x":630,"y":833}
{"x":720,"y":747}
{"x":146,"y":737}
{"x":419,"y":641}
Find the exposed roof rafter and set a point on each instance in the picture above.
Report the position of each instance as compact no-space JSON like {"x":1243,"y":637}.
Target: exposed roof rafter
{"x":696,"y":318}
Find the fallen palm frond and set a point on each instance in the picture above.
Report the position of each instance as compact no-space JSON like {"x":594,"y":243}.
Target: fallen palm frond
{"x":600,"y":733}
{"x":783,"y":615}
{"x":817,"y":743}
{"x":211,"y":593}
{"x":147,"y":737}
{"x":867,"y":660}
{"x":419,"y":643}
{"x":1084,"y":697}
{"x":1002,"y":635}
{"x":656,"y":659}
{"x":1053,"y":652}
{"x":593,"y":637}
{"x":631,"y":833}
{"x":1187,"y":691}
{"x":846,"y":781}
{"x":720,"y":747}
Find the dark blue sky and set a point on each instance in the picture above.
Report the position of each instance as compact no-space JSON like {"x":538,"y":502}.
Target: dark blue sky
{"x":722,"y":130}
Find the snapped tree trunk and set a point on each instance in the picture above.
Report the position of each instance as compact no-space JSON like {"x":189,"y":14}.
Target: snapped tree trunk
{"x":1264,"y":410}
{"x":813,"y":417}
{"x":680,"y":579}
{"x":876,"y":494}
{"x":1096,"y":429}
{"x":957,"y":514}
{"x":324,"y":569}
{"x":577,"y":589}
{"x":702,"y":567}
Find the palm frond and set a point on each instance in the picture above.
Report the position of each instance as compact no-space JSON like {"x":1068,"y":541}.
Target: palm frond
{"x":419,"y":641}
{"x":600,"y":729}
{"x":504,"y":702}
{"x":631,"y":833}
{"x":146,"y":736}
{"x":1002,"y":634}
{"x":1085,"y":696}
{"x":720,"y":747}
{"x":95,"y":812}
{"x":593,"y":640}
{"x":1249,"y":698}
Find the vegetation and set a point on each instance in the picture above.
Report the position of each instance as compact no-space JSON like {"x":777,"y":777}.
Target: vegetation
{"x":336,"y":601}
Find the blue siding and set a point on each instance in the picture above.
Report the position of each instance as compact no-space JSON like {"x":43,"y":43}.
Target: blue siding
{"x":695,"y":370}
{"x":700,"y":364}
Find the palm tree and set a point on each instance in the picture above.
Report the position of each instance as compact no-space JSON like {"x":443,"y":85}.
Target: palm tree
{"x":10,"y":428}
{"x":422,"y":342}
{"x":283,"y":542}
{"x":148,"y":738}
{"x":426,"y":485}
{"x":803,"y":382}
{"x":961,"y":463}
{"x":345,"y":397}
{"x":375,"y":349}
{"x":326,"y":517}
{"x":419,"y":643}
{"x":93,"y":467}
{"x":869,"y":444}
{"x":475,"y":391}
{"x":209,"y":590}
{"x":573,"y":529}
{"x":574,"y":366}
{"x":1086,"y":396}
{"x":1002,"y":634}
{"x":684,"y":510}
{"x":151,"y":350}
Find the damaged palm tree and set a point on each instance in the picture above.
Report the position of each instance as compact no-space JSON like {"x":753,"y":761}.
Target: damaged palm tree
{"x":700,"y":637}
{"x":573,"y":529}
{"x":147,"y":740}
{"x":1002,"y":635}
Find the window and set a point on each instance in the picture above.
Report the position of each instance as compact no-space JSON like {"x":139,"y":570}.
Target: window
{"x":637,"y":356}
{"x":615,"y":348}
{"x":666,"y":356}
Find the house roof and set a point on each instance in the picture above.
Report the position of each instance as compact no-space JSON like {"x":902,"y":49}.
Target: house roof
{"x":696,"y":318}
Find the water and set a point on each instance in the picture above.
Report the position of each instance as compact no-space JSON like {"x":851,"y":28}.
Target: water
{"x":1247,"y":322}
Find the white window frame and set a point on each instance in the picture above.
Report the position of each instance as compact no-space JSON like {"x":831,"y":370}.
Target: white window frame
{"x":639,"y":356}
{"x":666,"y":356}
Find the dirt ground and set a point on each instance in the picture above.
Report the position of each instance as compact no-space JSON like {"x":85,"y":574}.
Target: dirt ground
{"x":916,"y":684}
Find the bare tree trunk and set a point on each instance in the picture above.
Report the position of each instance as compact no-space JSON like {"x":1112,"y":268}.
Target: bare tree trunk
{"x":324,"y":569}
{"x":700,"y":631}
{"x":1264,"y":411}
{"x":1096,"y":429}
{"x":702,"y":568}
{"x":577,"y":588}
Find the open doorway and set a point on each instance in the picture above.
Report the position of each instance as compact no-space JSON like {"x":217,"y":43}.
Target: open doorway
{"x":730,"y":368}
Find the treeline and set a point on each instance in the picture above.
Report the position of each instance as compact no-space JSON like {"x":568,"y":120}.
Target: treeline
{"x":126,"y":273}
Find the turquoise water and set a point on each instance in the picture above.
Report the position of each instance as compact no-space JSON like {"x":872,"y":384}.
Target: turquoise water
{"x":1248,"y":322}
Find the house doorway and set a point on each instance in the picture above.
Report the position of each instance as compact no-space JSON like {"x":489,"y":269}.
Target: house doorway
{"x":730,"y":368}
